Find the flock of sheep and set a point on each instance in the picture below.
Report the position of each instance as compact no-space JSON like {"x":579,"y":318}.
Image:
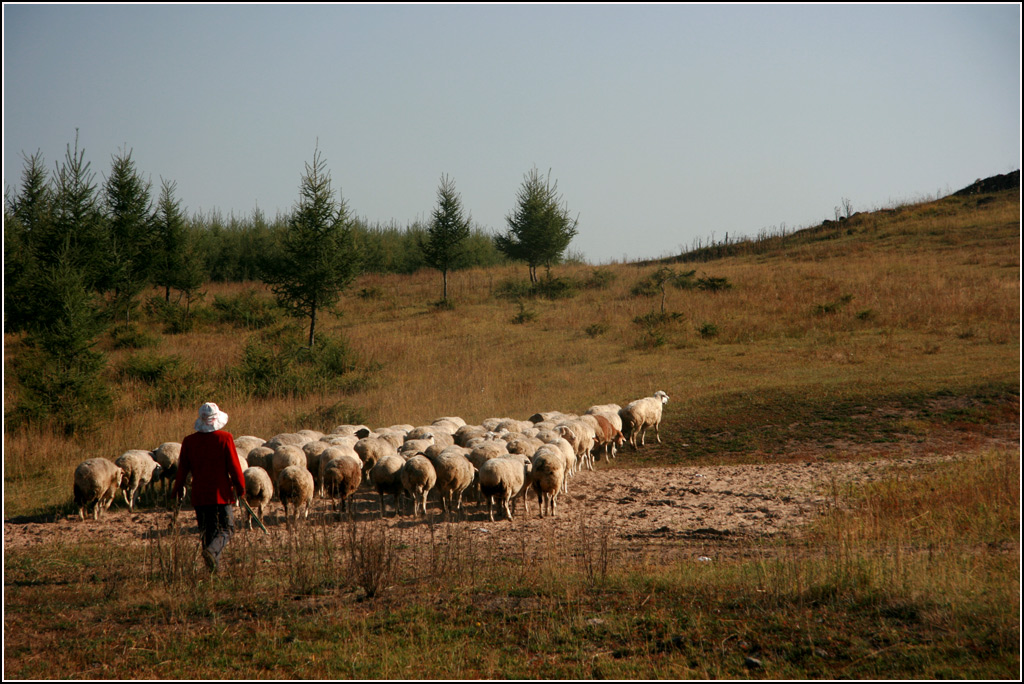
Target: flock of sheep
{"x":502,"y":459}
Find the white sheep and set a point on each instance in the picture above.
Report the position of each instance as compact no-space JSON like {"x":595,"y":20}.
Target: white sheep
{"x":246,"y":443}
{"x":287,"y":455}
{"x":580,"y":434}
{"x":261,"y":457}
{"x":503,"y":478}
{"x":548,"y":477}
{"x":372,"y":449}
{"x":167,"y":455}
{"x":328,"y":455}
{"x":385,"y":477}
{"x":638,"y":416}
{"x":418,"y":478}
{"x":295,"y":488}
{"x":315,"y":465}
{"x":292,"y":438}
{"x":455,"y":474}
{"x":259,"y":490}
{"x":96,"y":483}
{"x":138,"y":469}
{"x":342,"y":477}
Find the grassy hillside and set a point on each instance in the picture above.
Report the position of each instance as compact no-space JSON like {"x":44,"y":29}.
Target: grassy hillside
{"x":893,"y":306}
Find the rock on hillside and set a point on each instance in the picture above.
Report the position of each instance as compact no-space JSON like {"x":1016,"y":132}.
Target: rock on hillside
{"x":1006,"y":181}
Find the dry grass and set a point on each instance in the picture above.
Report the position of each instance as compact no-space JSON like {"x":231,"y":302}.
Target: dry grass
{"x":926,"y":298}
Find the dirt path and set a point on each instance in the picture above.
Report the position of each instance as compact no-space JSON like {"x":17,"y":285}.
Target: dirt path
{"x":712,"y":506}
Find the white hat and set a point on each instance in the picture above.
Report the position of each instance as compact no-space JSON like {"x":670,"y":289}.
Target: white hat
{"x":210,"y":418}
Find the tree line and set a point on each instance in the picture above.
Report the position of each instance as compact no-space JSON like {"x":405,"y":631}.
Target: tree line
{"x":79,"y":252}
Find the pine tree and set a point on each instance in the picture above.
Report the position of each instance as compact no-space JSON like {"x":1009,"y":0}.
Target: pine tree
{"x":171,"y":240}
{"x":61,"y":373}
{"x":77,"y":220}
{"x":540,"y":229}
{"x":131,"y":233}
{"x":317,"y":259}
{"x":27,"y":218}
{"x":443,"y":246}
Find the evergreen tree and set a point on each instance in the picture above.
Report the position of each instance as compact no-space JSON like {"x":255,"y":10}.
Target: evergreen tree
{"x":27,"y":218}
{"x":540,"y":229}
{"x":171,"y":241}
{"x":317,"y":259}
{"x":443,"y":246}
{"x":131,"y":232}
{"x":61,"y":373}
{"x":77,"y":221}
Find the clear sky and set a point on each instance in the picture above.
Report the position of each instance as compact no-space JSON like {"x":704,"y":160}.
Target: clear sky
{"x":661,"y":123}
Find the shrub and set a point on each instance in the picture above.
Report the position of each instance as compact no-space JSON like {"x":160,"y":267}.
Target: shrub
{"x":708,"y":330}
{"x":525,"y":315}
{"x":370,"y":293}
{"x":713,"y":284}
{"x":548,"y":288}
{"x":128,"y":336}
{"x":597,"y":329}
{"x":600,"y":278}
{"x":149,"y":368}
{"x":247,"y":310}
{"x":834,"y":306}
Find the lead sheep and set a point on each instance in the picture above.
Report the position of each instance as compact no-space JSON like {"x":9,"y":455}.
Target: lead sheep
{"x":96,"y":484}
{"x":138,"y":470}
{"x":638,"y":416}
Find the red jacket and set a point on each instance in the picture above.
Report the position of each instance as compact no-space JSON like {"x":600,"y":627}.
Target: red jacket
{"x":213,"y":462}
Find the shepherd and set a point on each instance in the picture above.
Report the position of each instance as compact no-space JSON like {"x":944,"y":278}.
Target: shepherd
{"x":209,"y":455}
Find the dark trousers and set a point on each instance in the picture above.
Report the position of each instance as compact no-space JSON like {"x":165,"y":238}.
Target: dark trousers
{"x":216,"y":524}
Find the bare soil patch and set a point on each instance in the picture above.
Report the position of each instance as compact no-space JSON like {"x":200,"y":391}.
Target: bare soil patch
{"x":702,"y":510}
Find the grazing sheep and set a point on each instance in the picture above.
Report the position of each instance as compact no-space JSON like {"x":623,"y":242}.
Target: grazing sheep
{"x":372,"y":449}
{"x":328,"y":455}
{"x":341,"y":479}
{"x":385,"y":477}
{"x":467,"y":433}
{"x":411,"y":447}
{"x":639,"y":415}
{"x":138,"y":469}
{"x":357,"y":431}
{"x":96,"y":484}
{"x":568,"y":457}
{"x":314,"y":435}
{"x":609,"y":411}
{"x":246,"y":443}
{"x":292,"y":438}
{"x":393,"y":436}
{"x":580,"y":435}
{"x":261,"y":457}
{"x":418,"y":478}
{"x":167,"y":455}
{"x":259,"y":490}
{"x":314,"y":464}
{"x":455,"y":474}
{"x":548,"y":477}
{"x":503,"y":478}
{"x":295,"y":488}
{"x":607,"y":437}
{"x":525,"y":446}
{"x":287,"y":455}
